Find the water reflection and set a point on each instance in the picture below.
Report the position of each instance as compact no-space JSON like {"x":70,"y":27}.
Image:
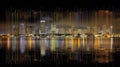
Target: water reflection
{"x":79,"y":42}
{"x":13,"y":41}
{"x":53,"y":44}
{"x":22,"y":45}
{"x":86,"y":49}
{"x":42,"y":46}
{"x":8,"y":43}
{"x":103,"y":56}
{"x":30,"y":43}
{"x":111,"y":44}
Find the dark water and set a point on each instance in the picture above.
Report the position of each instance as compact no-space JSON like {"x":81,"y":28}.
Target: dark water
{"x":59,"y":50}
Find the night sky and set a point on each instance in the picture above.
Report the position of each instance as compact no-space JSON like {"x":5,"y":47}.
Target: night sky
{"x":51,"y":5}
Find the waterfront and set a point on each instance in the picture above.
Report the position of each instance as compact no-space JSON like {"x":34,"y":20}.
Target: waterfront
{"x":59,"y":50}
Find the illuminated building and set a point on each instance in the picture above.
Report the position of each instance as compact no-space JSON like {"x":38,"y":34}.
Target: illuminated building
{"x":22,"y":29}
{"x":53,"y":28}
{"x":29,"y":30}
{"x":104,"y":19}
{"x":57,"y":30}
{"x":88,"y":29}
{"x":14,"y":25}
{"x":80,"y":31}
{"x":42,"y":26}
{"x":47,"y":29}
{"x":61,"y":31}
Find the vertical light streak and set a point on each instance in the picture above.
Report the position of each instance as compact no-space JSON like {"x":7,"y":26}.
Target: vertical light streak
{"x":33,"y":42}
{"x":22,"y":45}
{"x":14,"y":44}
{"x":53,"y":44}
{"x":98,"y":43}
{"x":8,"y":58}
{"x":62,"y":47}
{"x":75,"y":43}
{"x":72,"y":44}
{"x":46,"y":45}
{"x":88,"y":44}
{"x":83,"y":40}
{"x":66,"y":42}
{"x":101,"y":42}
{"x":95,"y":43}
{"x":111,"y":44}
{"x":30,"y":43}
{"x":57,"y":42}
{"x":8,"y":43}
{"x":78,"y":42}
{"x":42,"y":48}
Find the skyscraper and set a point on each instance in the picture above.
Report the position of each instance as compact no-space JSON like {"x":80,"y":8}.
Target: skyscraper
{"x":22,"y":29}
{"x":29,"y":29}
{"x":42,"y":26}
{"x":53,"y":28}
{"x":104,"y":19}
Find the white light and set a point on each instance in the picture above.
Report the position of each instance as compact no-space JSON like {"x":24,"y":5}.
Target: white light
{"x":111,"y":27}
{"x":42,"y":21}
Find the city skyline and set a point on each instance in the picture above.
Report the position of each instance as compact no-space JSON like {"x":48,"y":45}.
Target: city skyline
{"x":79,"y":19}
{"x":77,"y":32}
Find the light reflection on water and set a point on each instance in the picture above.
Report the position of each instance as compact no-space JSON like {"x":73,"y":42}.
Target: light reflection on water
{"x":13,"y":44}
{"x":33,"y":48}
{"x":42,"y":46}
{"x":22,"y":45}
